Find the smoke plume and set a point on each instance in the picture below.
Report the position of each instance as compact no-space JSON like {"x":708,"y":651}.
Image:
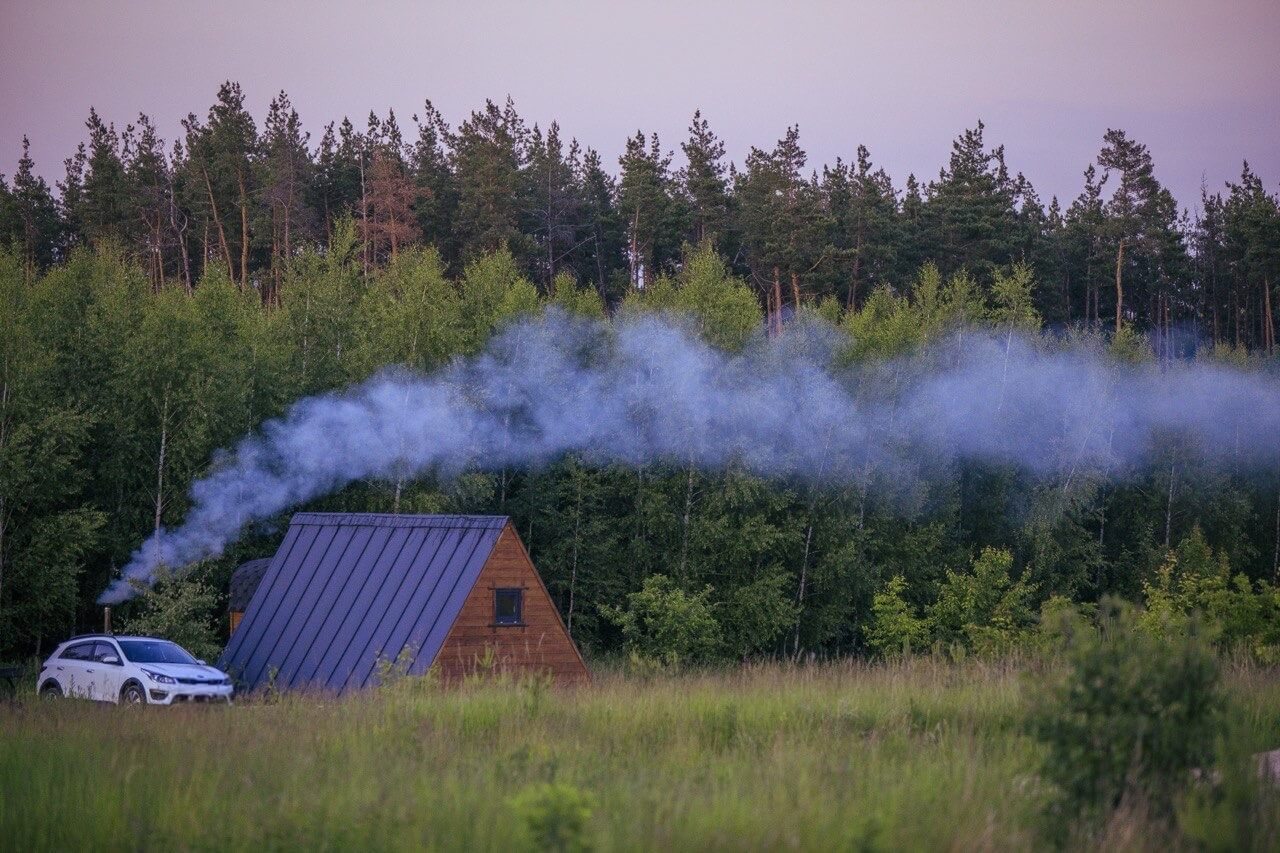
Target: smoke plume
{"x":648,"y":389}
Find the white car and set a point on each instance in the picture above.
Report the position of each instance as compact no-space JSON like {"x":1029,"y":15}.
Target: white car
{"x":130,"y":670}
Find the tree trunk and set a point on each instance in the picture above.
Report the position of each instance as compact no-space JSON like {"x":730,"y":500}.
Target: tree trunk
{"x":573,"y":571}
{"x":244,"y":231}
{"x":852,"y":302}
{"x":4,"y":410}
{"x":795,"y":292}
{"x":1269,"y":321}
{"x":1275,"y":556}
{"x":804,"y":578}
{"x":222,"y":233}
{"x":635,"y":248}
{"x":1120,"y":286}
{"x":777,"y":301}
{"x":1168,"y":507}
{"x":364,"y":221}
{"x":164,"y":446}
{"x":688,"y":511}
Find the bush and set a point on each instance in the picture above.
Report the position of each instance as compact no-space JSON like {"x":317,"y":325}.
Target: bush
{"x":1129,"y":715}
{"x":665,"y":623}
{"x":984,"y":609}
{"x":1192,"y":581}
{"x":177,"y":607}
{"x":554,"y":816}
{"x":894,"y":628}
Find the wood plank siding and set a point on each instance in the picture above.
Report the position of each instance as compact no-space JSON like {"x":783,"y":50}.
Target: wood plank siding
{"x":539,"y":643}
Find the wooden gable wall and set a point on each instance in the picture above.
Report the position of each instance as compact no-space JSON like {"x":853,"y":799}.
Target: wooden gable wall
{"x":539,"y":644}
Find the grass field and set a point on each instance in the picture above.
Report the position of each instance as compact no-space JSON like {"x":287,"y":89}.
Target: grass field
{"x":918,"y":755}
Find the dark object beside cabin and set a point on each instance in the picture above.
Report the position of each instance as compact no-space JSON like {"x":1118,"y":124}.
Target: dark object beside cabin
{"x":244,"y":583}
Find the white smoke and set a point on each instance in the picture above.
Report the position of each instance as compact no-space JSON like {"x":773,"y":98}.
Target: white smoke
{"x":648,"y":389}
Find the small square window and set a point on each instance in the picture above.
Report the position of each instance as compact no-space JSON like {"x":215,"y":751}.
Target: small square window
{"x":507,"y":606}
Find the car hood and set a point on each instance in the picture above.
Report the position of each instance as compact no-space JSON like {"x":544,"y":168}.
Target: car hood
{"x":184,"y":670}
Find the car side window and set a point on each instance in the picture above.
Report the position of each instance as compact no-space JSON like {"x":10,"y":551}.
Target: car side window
{"x":80,"y":651}
{"x":102,"y":650}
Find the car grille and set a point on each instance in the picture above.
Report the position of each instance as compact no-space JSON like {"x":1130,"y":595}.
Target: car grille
{"x":199,"y":680}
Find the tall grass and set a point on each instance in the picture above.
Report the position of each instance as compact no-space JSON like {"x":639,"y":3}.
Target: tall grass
{"x":914,"y":755}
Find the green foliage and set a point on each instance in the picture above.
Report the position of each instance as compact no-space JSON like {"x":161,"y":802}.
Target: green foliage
{"x":555,"y":816}
{"x":1195,"y":584}
{"x":43,"y":575}
{"x":894,"y":628}
{"x":983,"y":609}
{"x":664,"y":622}
{"x":885,"y":327}
{"x":1011,"y":291}
{"x":493,"y":290}
{"x":581,"y":301}
{"x":411,"y":315}
{"x":176,"y":607}
{"x":728,"y":314}
{"x":1129,"y":716}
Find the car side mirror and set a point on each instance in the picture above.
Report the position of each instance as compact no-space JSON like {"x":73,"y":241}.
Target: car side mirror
{"x":202,"y":663}
{"x":112,"y":659}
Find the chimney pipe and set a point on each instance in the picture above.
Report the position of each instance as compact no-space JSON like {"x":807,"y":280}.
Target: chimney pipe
{"x":106,"y":620}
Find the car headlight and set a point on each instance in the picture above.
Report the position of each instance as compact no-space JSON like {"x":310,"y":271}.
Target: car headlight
{"x":159,"y":677}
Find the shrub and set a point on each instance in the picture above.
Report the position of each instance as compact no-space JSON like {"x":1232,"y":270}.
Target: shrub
{"x":1128,"y":716}
{"x":666,"y":623}
{"x":554,"y":816}
{"x":894,"y":628}
{"x":984,"y":608}
{"x":177,"y":607}
{"x":1193,"y":580}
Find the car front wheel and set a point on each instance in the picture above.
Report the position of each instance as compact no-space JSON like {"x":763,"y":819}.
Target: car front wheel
{"x":51,"y":691}
{"x":132,"y":695}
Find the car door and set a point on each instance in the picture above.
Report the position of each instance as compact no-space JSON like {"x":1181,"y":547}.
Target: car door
{"x":108,"y":677}
{"x":75,"y":670}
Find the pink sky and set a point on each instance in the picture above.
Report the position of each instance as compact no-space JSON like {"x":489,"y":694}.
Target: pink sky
{"x":1198,"y":82}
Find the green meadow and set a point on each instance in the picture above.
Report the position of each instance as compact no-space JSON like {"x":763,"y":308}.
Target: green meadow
{"x":921,"y":754}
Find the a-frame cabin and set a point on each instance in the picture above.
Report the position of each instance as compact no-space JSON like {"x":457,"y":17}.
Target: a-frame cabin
{"x":348,"y":591}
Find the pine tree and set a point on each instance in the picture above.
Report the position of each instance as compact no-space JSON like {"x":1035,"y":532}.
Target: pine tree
{"x":554,"y":211}
{"x":388,"y":222}
{"x":1140,"y":220}
{"x":284,"y":175}
{"x":600,"y":255}
{"x":1252,"y":255}
{"x":782,"y":222}
{"x":32,"y":213}
{"x":969,"y":216}
{"x":649,"y":208}
{"x":107,"y":197}
{"x":334,"y":192}
{"x":489,"y":156}
{"x":436,"y":199}
{"x":150,"y":176}
{"x":863,"y":215}
{"x":221,"y":154}
{"x":71,"y":198}
{"x":704,"y":183}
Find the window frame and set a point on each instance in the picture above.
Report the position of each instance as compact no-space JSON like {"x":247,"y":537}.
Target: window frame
{"x":515,"y":592}
{"x":110,"y":649}
{"x":80,"y":647}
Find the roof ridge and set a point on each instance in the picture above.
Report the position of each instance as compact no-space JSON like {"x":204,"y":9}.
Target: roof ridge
{"x":385,"y":519}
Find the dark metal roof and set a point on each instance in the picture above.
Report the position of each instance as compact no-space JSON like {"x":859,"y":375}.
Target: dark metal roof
{"x":244,"y":582}
{"x":346,"y":590}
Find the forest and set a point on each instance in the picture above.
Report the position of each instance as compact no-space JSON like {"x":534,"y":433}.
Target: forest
{"x":166,"y":298}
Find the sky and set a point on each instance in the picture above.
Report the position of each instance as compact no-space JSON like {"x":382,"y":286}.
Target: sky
{"x":1198,"y":82}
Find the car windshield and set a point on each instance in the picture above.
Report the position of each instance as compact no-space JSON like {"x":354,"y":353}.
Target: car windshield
{"x":155,"y":651}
